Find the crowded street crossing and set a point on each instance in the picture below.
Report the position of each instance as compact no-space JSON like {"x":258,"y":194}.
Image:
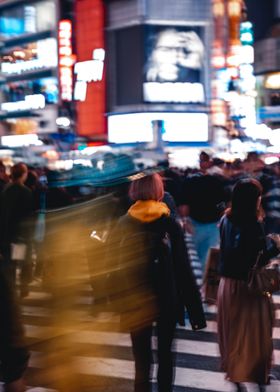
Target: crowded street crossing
{"x":102,"y":356}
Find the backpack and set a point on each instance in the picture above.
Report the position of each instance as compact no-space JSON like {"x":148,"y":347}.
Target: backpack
{"x":147,"y":266}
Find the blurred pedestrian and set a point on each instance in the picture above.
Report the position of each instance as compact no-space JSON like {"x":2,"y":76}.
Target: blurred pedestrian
{"x":203,"y":202}
{"x":100,"y":218}
{"x":271,"y":198}
{"x":13,"y":353}
{"x":253,"y":163}
{"x":16,"y":224}
{"x":37,"y":182}
{"x":245,"y":320}
{"x":154,"y":281}
{"x":4,"y":178}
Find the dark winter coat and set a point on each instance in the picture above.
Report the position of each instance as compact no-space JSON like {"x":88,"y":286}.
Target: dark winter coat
{"x":138,"y":301}
{"x":240,"y":246}
{"x":16,"y":214}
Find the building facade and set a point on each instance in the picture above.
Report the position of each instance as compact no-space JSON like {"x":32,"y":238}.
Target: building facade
{"x":158,"y":70}
{"x":29,"y":85}
{"x":267,"y":70}
{"x":116,"y":70}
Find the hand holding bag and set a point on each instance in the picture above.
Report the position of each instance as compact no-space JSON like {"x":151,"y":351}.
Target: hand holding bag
{"x":263,"y":280}
{"x":211,"y":278}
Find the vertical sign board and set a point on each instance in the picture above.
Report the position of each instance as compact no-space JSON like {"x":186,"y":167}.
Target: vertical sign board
{"x":89,"y":40}
{"x":66,"y":60}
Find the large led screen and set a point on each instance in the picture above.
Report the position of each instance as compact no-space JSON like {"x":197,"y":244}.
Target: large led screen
{"x":177,"y":127}
{"x":174,"y":64}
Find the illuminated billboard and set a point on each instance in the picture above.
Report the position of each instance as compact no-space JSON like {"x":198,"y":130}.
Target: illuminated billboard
{"x":177,"y":127}
{"x":174,"y":64}
{"x":90,"y":88}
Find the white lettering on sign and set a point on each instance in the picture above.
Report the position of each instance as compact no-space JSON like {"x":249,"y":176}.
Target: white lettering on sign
{"x":174,"y":92}
{"x":66,"y":60}
{"x":30,"y":19}
{"x":36,"y":101}
{"x":46,"y":57}
{"x":88,"y":71}
{"x":20,"y":140}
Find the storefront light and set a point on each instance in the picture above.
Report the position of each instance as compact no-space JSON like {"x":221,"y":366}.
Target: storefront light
{"x":274,"y":137}
{"x":63,"y":122}
{"x":218,"y":8}
{"x":20,"y":140}
{"x":46,"y":56}
{"x":246,"y":54}
{"x":272,"y":81}
{"x":271,"y":160}
{"x":234,"y":8}
{"x":30,"y":19}
{"x":218,"y":61}
{"x":66,"y":59}
{"x":30,"y":102}
{"x":233,"y":60}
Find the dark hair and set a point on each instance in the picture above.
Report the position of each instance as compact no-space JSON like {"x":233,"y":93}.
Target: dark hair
{"x":203,"y":156}
{"x":149,"y":187}
{"x":32,"y":179}
{"x":244,"y":201}
{"x":18,"y":170}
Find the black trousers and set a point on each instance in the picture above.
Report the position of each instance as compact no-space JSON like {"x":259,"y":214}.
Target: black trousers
{"x":142,"y":351}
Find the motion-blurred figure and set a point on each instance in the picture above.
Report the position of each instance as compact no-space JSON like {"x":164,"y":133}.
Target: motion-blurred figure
{"x":271,"y":199}
{"x":15,"y":224}
{"x":100,"y":219}
{"x":4,"y":178}
{"x":13,"y":353}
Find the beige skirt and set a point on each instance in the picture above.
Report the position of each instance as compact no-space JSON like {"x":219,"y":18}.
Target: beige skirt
{"x":245,"y":323}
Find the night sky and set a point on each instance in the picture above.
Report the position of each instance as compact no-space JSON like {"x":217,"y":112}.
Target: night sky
{"x":260,"y":13}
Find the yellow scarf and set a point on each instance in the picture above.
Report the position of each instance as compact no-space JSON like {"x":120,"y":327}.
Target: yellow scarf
{"x":148,"y":210}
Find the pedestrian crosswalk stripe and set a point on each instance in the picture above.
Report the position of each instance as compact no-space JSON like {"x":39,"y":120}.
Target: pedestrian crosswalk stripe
{"x":100,"y":350}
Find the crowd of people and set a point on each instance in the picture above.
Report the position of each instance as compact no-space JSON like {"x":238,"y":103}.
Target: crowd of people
{"x":234,"y":206}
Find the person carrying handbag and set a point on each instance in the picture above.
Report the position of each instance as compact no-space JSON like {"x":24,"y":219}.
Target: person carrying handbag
{"x":245,"y":318}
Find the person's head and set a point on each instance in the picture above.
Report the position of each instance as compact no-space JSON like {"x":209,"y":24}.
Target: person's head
{"x":204,"y":161}
{"x":252,"y":156}
{"x":148,"y":187}
{"x":246,"y":201}
{"x":19,"y":172}
{"x":173,"y":54}
{"x":32,"y":180}
{"x":3,"y":175}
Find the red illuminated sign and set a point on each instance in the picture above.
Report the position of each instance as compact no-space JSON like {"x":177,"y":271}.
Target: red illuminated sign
{"x":89,"y":36}
{"x":66,"y":60}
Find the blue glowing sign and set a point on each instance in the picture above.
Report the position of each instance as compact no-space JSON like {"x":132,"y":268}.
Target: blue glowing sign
{"x":246,"y":33}
{"x":11,"y":26}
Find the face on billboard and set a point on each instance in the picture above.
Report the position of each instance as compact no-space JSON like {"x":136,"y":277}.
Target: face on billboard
{"x":175,"y":54}
{"x":174,"y":64}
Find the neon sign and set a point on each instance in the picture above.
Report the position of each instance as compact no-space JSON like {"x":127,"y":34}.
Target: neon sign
{"x":46,"y":57}
{"x":88,"y":71}
{"x":66,"y":59}
{"x":36,"y":101}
